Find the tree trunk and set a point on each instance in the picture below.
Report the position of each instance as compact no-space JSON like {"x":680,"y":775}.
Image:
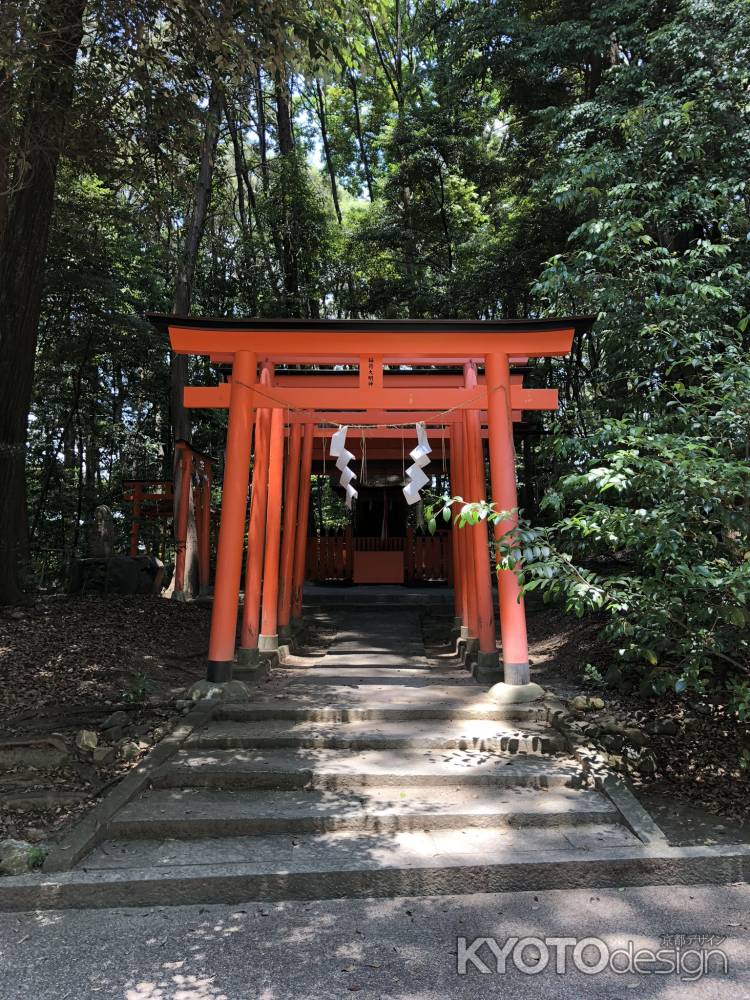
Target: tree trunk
{"x":327,"y":148}
{"x":360,"y":136}
{"x":22,"y":257}
{"x":289,"y":263}
{"x":262,"y":142}
{"x":181,"y":426}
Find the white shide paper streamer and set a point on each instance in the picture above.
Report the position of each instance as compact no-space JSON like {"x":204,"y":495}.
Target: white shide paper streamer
{"x":421,"y":457}
{"x":343,"y":458}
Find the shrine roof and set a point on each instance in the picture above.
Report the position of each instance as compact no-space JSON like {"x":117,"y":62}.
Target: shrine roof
{"x":163,"y":320}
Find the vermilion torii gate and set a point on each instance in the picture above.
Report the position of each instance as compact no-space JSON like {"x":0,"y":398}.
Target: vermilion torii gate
{"x":455,"y":375}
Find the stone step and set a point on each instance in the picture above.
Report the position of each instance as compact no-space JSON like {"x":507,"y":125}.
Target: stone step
{"x":196,"y":813}
{"x":401,"y":659}
{"x":352,"y":704}
{"x":478,"y":734}
{"x":345,"y":674}
{"x":350,"y":865}
{"x":413,"y":846}
{"x":341,"y":769}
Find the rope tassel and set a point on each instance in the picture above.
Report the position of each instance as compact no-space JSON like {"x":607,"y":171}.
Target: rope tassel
{"x":421,"y":457}
{"x":343,"y":457}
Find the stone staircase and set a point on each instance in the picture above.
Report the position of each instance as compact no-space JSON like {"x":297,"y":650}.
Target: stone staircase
{"x":374,"y":772}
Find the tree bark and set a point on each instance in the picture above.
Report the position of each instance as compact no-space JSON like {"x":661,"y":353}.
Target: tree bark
{"x":360,"y":136}
{"x":22,"y":258}
{"x":289,"y":264}
{"x":327,"y":148}
{"x":181,"y":425}
{"x":262,"y":141}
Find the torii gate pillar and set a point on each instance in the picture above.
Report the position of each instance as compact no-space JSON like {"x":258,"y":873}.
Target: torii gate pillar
{"x":517,"y":684}
{"x":232,"y":527}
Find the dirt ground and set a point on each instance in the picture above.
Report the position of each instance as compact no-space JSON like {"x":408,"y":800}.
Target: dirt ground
{"x":70,"y":665}
{"x":699,"y":765}
{"x":697,"y":791}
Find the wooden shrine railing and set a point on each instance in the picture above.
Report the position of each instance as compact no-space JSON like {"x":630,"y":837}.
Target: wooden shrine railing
{"x":330,"y":555}
{"x":427,"y":558}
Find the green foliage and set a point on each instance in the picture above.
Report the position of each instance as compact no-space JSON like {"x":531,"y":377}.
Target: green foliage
{"x":490,"y":159}
{"x":36,"y":858}
{"x":139,"y":690}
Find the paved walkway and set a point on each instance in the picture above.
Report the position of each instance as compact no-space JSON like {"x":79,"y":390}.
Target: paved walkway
{"x":392,"y":949}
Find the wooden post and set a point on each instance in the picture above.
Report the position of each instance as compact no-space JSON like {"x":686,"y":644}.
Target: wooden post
{"x":269,"y":629}
{"x":485,"y":616}
{"x":461,"y":570}
{"x":250,"y":622}
{"x":204,"y":528}
{"x":504,"y":495}
{"x":300,"y":551}
{"x":288,"y":541}
{"x":135,"y":524}
{"x":233,"y":510}
{"x":469,"y":549}
{"x":181,"y":523}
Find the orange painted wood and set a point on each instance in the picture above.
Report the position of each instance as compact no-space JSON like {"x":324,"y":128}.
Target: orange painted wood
{"x":349,"y":553}
{"x":269,"y":612}
{"x":336,"y":344}
{"x":313,"y":398}
{"x":337,"y":555}
{"x":225,"y":358}
{"x":233,"y":509}
{"x":184,"y":464}
{"x":457,"y":489}
{"x":301,"y":543}
{"x":291,"y":511}
{"x":378,"y":567}
{"x":505,"y":497}
{"x":250,"y":622}
{"x":478,"y":533}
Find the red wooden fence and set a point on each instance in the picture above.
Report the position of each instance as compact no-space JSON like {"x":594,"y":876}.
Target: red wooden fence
{"x":427,"y":558}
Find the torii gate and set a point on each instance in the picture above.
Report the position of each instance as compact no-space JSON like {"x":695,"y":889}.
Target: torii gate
{"x":305,"y":402}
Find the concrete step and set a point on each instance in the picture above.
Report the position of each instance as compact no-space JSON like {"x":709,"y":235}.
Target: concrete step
{"x":345,"y":675}
{"x":479,"y":734}
{"x":379,"y":661}
{"x":197,"y":813}
{"x":409,"y":846}
{"x":344,"y":864}
{"x":341,"y":769}
{"x":353,"y":704}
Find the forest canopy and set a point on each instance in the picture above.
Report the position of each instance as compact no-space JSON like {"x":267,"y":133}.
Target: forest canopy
{"x":404,"y":158}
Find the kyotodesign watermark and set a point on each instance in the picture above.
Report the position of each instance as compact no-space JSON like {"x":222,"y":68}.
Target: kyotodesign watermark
{"x":689,"y":956}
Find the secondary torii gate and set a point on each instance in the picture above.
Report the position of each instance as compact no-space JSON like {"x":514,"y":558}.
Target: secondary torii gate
{"x":386,"y":390}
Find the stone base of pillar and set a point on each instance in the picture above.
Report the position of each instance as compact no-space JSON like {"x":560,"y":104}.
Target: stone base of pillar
{"x":467,"y":648}
{"x":219,"y":671}
{"x":516,"y":673}
{"x":487,"y":669}
{"x":268,"y":643}
{"x":248,"y":657}
{"x":465,"y":633}
{"x":219,"y":691}
{"x":180,"y":596}
{"x":516,"y":694}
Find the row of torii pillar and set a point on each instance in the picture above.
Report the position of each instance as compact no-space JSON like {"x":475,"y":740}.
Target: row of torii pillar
{"x":271,"y":404}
